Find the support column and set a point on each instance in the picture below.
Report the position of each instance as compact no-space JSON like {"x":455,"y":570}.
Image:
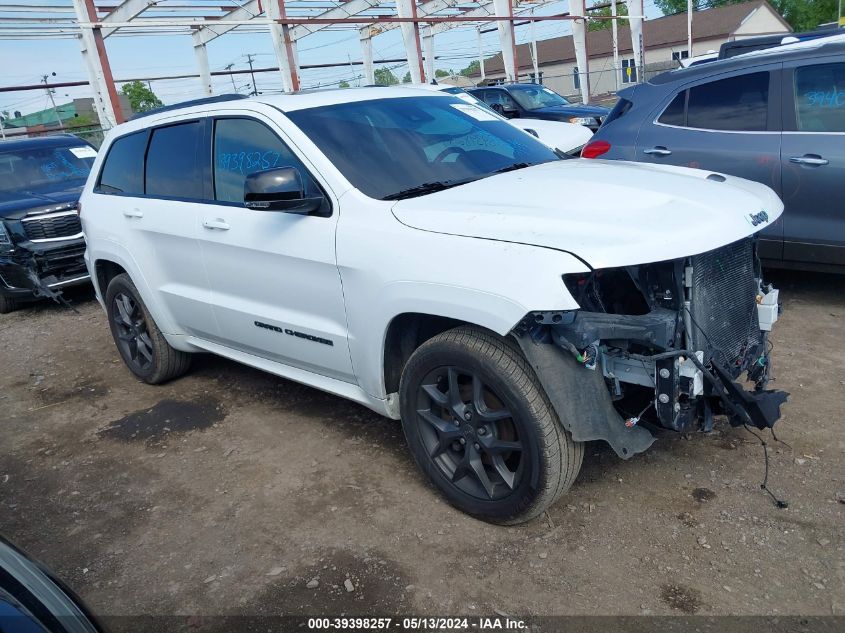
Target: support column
{"x":284,"y":46}
{"x":106,"y":99}
{"x":635,"y":8}
{"x":367,"y":56}
{"x":428,"y":45}
{"x":411,"y":38}
{"x":480,"y":55}
{"x":615,"y":28}
{"x":504,"y":8}
{"x":205,"y":72}
{"x":579,"y":38}
{"x":534,"y":60}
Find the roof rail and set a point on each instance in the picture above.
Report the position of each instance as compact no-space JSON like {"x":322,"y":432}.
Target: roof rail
{"x":188,"y":104}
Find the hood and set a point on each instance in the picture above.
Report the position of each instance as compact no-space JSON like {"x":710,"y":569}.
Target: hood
{"x":574,"y":110}
{"x":609,"y":213}
{"x":17,"y":204}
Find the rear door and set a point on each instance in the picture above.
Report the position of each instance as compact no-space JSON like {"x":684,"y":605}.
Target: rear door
{"x":156,"y":183}
{"x":730,"y":124}
{"x":813,"y":159}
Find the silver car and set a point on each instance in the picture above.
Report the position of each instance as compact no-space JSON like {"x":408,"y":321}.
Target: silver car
{"x":775,"y":116}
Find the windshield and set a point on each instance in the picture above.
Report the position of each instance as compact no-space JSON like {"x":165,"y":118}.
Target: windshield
{"x":536,"y":97}
{"x":395,"y":148}
{"x":460,"y":93}
{"x":45,"y":168}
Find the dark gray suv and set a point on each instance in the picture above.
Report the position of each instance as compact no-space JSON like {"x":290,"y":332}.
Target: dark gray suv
{"x":775,"y":116}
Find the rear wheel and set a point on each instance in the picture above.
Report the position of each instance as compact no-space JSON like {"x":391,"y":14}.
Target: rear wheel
{"x":7,"y":304}
{"x":141,"y":344}
{"x":482,"y":429}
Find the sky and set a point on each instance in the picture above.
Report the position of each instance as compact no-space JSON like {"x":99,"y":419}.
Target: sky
{"x":26,"y":61}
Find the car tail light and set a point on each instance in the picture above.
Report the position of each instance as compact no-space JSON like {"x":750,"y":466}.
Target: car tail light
{"x":594,"y":149}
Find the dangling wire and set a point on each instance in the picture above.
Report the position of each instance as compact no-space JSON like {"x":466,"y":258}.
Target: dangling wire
{"x":779,"y":503}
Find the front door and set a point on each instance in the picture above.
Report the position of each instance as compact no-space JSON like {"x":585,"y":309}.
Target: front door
{"x":274,"y":280}
{"x":725,"y":124}
{"x":813,"y":159}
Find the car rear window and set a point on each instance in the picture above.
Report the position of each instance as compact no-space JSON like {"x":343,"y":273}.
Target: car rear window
{"x":123,"y":170}
{"x":619,"y":110}
{"x":173,"y":168}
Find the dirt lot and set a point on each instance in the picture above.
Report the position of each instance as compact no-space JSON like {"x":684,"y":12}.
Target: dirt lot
{"x":229,"y":490}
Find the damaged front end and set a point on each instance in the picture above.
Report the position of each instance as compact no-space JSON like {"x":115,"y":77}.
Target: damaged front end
{"x":660,"y":345}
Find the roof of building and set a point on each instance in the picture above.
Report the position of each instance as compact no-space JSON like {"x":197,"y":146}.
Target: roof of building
{"x":661,"y":32}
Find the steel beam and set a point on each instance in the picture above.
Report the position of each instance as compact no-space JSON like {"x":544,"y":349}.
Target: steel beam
{"x":96,"y":60}
{"x":579,"y":39}
{"x":424,"y":9}
{"x":125,"y":12}
{"x":205,"y":72}
{"x":367,"y":56}
{"x":411,"y":38}
{"x":428,"y":45}
{"x":246,"y":12}
{"x":284,"y":46}
{"x":504,"y":8}
{"x":345,"y":10}
{"x":635,"y":11}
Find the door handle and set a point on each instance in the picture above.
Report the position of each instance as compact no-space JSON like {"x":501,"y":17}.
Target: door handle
{"x":658,"y":151}
{"x":216,"y":224}
{"x":133,"y":213}
{"x":809,"y":159}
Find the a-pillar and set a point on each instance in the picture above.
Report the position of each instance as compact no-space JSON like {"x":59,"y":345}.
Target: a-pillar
{"x":504,"y":9}
{"x":284,"y":46}
{"x":367,"y":56}
{"x":579,"y":39}
{"x":96,"y":60}
{"x":205,"y":72}
{"x":411,"y":38}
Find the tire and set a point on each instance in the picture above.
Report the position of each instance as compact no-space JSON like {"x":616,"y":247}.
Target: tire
{"x":511,"y":434}
{"x":7,"y":304}
{"x":139,"y":341}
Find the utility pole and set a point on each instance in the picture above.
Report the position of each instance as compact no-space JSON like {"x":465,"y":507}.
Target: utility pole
{"x":232,"y":77}
{"x":53,"y":101}
{"x":252,"y":74}
{"x":615,"y":30}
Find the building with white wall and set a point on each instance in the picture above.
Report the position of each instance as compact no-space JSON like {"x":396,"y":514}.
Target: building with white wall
{"x":665,"y":41}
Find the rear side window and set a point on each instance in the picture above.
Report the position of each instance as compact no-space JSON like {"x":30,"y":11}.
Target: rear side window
{"x":173,"y":168}
{"x":735,"y":104}
{"x":675,"y":113}
{"x":820,"y":98}
{"x":123,"y":170}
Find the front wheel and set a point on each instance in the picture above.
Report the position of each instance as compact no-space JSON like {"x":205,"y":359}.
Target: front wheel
{"x":7,"y":304}
{"x":141,"y":344}
{"x":481,"y":428}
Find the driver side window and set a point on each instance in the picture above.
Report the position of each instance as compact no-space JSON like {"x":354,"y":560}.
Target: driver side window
{"x":243,"y":147}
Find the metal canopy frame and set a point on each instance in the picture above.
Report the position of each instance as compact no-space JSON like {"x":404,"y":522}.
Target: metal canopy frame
{"x":288,"y":21}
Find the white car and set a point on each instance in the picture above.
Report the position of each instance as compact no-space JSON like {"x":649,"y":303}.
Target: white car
{"x":412,"y":253}
{"x":569,"y":138}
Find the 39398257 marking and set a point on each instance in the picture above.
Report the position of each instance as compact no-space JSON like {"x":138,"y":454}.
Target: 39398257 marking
{"x":349,"y":624}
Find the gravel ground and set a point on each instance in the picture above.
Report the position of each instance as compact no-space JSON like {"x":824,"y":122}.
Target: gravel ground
{"x":231,"y":491}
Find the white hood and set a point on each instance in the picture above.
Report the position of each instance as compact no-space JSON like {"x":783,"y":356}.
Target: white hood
{"x":609,"y":213}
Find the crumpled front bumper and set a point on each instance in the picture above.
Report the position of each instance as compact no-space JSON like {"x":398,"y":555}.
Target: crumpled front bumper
{"x":31,"y":270}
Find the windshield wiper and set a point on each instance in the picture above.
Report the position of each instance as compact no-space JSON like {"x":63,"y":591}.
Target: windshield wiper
{"x":426,"y":187}
{"x":513,"y":167}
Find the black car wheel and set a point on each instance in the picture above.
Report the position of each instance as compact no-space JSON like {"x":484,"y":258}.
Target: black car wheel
{"x":7,"y":304}
{"x":482,"y":429}
{"x":141,"y":344}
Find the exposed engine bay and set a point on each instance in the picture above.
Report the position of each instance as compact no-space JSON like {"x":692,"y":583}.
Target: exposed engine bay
{"x":670,"y":340}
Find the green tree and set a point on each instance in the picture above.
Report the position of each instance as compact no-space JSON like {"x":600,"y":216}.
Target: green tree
{"x":598,"y":25}
{"x":473,"y":68}
{"x":141,"y":98}
{"x":343,"y":84}
{"x":802,"y":15}
{"x":385,"y":77}
{"x":441,"y":73}
{"x":407,"y":78}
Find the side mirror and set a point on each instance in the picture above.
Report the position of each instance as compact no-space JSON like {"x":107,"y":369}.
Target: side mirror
{"x":279,"y":189}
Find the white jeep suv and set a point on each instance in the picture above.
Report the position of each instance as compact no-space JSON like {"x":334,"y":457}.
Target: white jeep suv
{"x":404,"y":250}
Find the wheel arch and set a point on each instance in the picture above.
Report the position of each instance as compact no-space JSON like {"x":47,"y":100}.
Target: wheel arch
{"x":104,"y":271}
